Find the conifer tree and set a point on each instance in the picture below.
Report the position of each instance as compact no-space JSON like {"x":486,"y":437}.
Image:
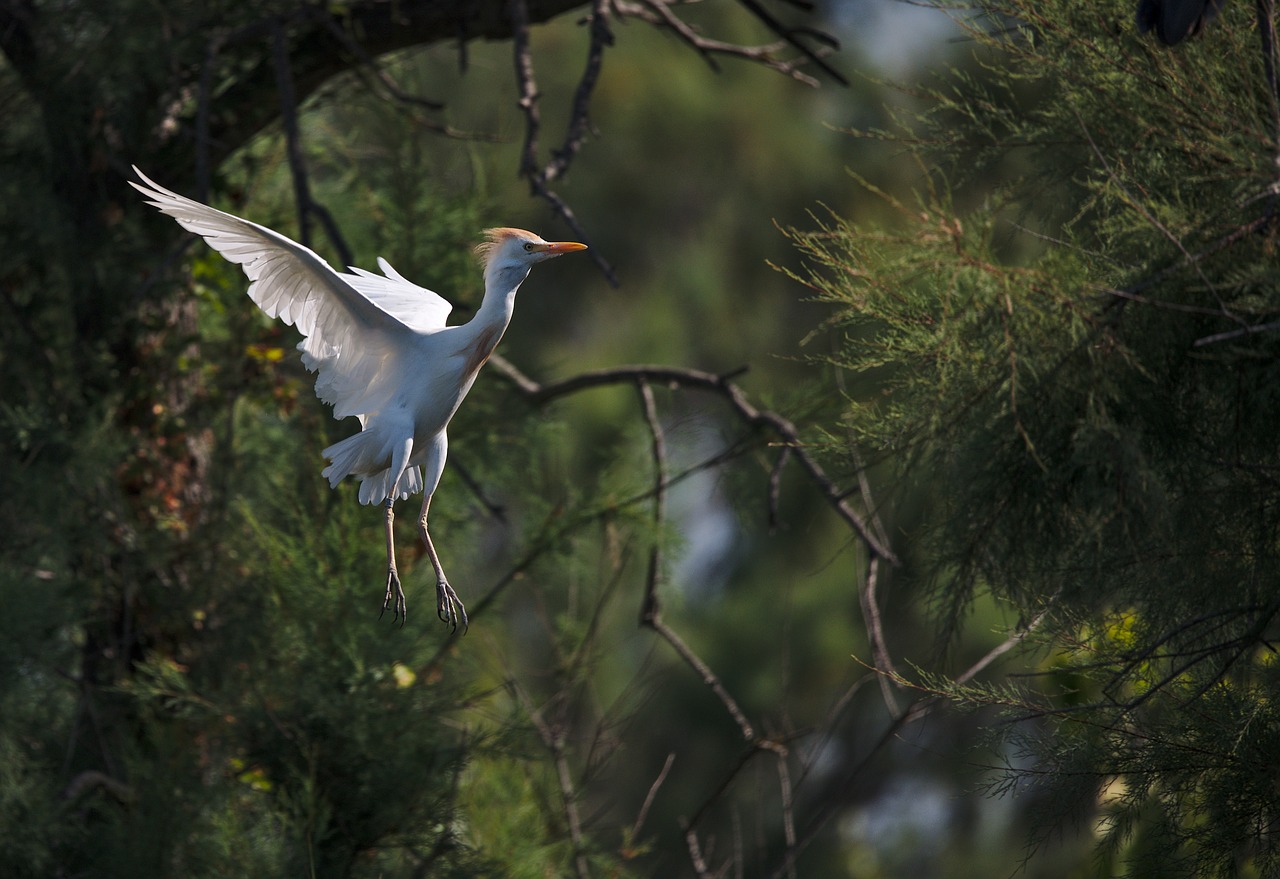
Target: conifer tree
{"x":1069,"y":340}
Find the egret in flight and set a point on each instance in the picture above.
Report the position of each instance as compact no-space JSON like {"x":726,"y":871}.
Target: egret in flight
{"x":381,"y":352}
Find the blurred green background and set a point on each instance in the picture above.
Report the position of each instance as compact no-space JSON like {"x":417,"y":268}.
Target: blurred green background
{"x":194,"y":680}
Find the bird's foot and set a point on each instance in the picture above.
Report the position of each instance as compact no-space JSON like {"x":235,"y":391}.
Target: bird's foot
{"x":449,"y":606}
{"x":400,"y":607}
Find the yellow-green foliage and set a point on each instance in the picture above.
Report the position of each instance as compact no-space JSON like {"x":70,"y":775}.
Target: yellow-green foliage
{"x":1066,"y":358}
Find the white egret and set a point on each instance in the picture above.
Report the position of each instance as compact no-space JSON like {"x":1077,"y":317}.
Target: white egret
{"x":381,"y":352}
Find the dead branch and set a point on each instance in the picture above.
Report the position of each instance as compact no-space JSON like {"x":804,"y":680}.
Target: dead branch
{"x":673,"y":376}
{"x":703,"y":671}
{"x":649,"y":606}
{"x":648,"y":799}
{"x":531,"y":169}
{"x":306,"y":205}
{"x":875,"y":634}
{"x":787,"y":795}
{"x":553,"y":740}
{"x":659,"y":13}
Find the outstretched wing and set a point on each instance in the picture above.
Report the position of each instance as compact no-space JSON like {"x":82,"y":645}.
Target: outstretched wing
{"x":416,"y":307}
{"x":354,"y":327}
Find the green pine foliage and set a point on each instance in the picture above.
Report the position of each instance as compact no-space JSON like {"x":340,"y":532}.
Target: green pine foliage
{"x":1068,"y":356}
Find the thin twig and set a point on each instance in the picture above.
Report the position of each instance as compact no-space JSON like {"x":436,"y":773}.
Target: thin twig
{"x":775,"y":487}
{"x":658,"y":13}
{"x":704,"y":672}
{"x":1251,"y":330}
{"x":793,"y":34}
{"x":875,"y":634}
{"x":914,"y":712}
{"x":649,"y":607}
{"x":553,"y":739}
{"x":369,"y":63}
{"x":696,"y":859}
{"x":649,"y":797}
{"x":788,"y":815}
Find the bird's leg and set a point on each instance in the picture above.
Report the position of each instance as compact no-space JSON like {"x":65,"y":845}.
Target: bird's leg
{"x":448,"y":605}
{"x":401,"y":607}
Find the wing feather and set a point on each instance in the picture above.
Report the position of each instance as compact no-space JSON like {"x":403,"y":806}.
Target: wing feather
{"x":417,"y":307}
{"x":354,"y":327}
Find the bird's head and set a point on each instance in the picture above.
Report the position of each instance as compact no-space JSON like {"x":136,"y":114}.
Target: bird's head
{"x":518,"y":249}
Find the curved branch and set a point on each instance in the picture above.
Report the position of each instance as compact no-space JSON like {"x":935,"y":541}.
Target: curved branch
{"x":783,"y":429}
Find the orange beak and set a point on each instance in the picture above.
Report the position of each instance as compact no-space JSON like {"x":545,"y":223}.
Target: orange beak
{"x":555,"y":248}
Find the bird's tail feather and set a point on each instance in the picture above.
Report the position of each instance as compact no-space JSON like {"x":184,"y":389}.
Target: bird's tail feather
{"x":376,"y":487}
{"x":358,"y":455}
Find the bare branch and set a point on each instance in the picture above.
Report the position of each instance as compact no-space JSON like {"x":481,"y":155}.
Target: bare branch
{"x":369,"y":63}
{"x":786,"y":794}
{"x":703,"y":670}
{"x":527,"y":88}
{"x":696,"y":858}
{"x":297,"y":162}
{"x":292,"y":139}
{"x":783,"y":429}
{"x":649,"y":608}
{"x":553,"y":739}
{"x":875,"y":634}
{"x":649,"y":797}
{"x":1250,"y":330}
{"x":579,"y":116}
{"x":659,"y":14}
{"x":793,"y":35}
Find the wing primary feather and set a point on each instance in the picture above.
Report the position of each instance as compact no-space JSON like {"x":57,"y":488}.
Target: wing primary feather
{"x":265,"y":255}
{"x":351,"y":338}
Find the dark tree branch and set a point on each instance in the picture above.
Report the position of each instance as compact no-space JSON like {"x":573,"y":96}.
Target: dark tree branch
{"x":306,"y":205}
{"x":875,"y":635}
{"x":654,"y":621}
{"x":780,"y":427}
{"x":351,"y":38}
{"x":527,"y":86}
{"x":293,"y":141}
{"x":369,"y":63}
{"x":580,"y":114}
{"x":659,"y":13}
{"x":649,"y":608}
{"x":648,"y":799}
{"x":793,"y":36}
{"x":917,"y":710}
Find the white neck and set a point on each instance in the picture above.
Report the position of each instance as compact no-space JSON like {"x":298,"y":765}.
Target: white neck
{"x":500,"y":286}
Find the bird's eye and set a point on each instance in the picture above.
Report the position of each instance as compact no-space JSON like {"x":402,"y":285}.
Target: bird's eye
{"x":529,"y":246}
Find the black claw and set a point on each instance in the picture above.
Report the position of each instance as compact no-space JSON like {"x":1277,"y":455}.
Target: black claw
{"x":449,"y":607}
{"x":400,"y":609}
